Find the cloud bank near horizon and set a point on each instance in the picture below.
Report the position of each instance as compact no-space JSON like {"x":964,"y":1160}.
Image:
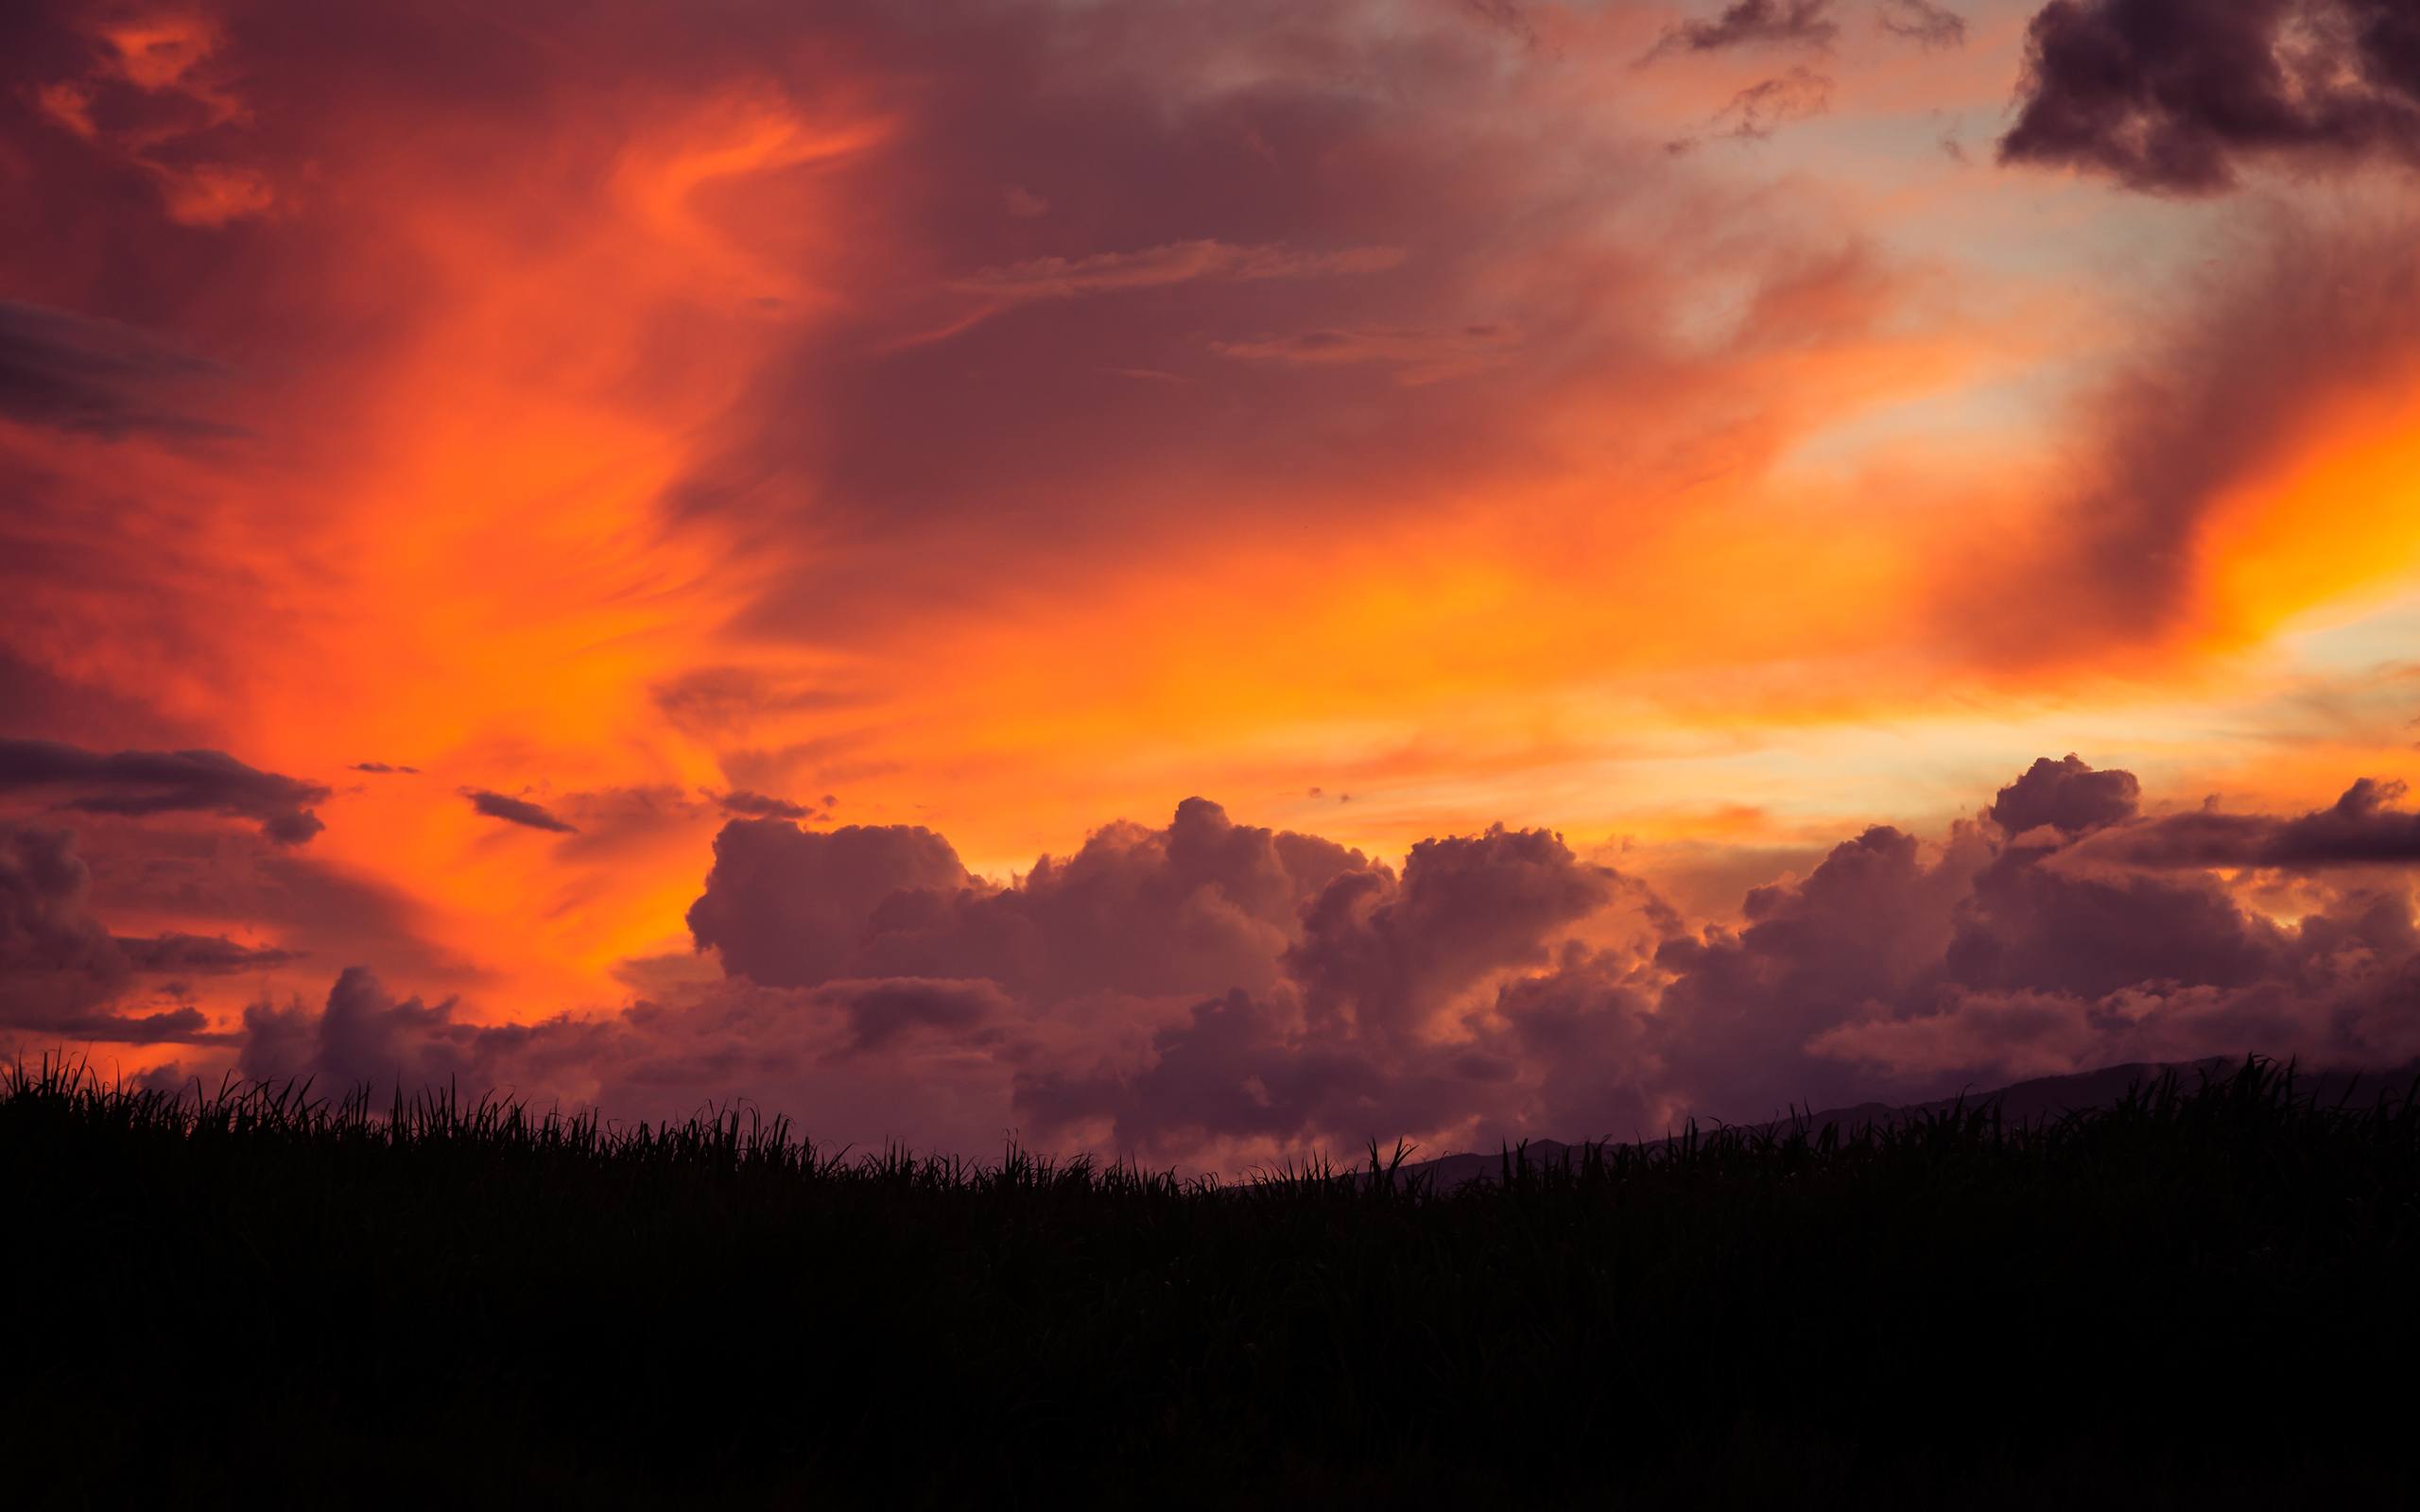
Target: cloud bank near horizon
{"x":1209,"y":992}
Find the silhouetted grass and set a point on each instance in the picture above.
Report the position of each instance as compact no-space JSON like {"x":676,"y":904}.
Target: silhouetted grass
{"x":2203,"y":1293}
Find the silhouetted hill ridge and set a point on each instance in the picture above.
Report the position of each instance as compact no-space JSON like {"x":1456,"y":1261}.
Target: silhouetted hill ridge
{"x":2025,"y":1102}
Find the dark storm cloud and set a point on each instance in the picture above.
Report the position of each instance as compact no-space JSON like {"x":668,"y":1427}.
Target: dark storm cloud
{"x":515,"y":811}
{"x":138,"y":782}
{"x":75,"y":374}
{"x":2175,"y":95}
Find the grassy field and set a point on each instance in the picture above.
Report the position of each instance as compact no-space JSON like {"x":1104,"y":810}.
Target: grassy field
{"x":2205,"y":1293}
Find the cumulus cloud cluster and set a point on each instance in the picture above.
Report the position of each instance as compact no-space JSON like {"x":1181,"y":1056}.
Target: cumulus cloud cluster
{"x":1211,"y":991}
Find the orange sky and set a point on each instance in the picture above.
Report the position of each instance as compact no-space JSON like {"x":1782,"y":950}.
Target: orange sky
{"x":1387,"y":419}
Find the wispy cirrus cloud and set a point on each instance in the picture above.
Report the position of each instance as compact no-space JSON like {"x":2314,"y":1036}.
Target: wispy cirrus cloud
{"x":1061,"y":278}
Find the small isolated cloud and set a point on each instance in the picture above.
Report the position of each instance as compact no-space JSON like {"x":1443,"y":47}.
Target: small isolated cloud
{"x":1756,"y":24}
{"x":383,"y":766}
{"x":1924,"y":23}
{"x":515,"y":811}
{"x":1765,"y":107}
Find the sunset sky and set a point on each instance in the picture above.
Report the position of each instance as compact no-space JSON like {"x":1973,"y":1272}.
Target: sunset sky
{"x":456,"y":460}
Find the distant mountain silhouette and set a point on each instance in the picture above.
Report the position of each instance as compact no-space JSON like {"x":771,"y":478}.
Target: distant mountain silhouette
{"x":2024,"y":1101}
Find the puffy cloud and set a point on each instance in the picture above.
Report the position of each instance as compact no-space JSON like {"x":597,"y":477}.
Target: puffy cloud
{"x":1198,"y":907}
{"x":515,"y":811}
{"x":1892,"y":966}
{"x":140,"y":782}
{"x":1351,"y":1038}
{"x":1867,"y":927}
{"x":2174,"y":96}
{"x":1383,"y":955}
{"x":2066,"y":794}
{"x":363,"y":1036}
{"x":1216,"y":993}
{"x":792,"y":907}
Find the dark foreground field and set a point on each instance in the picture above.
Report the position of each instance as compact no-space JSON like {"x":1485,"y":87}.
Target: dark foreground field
{"x":2204,"y":1294}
